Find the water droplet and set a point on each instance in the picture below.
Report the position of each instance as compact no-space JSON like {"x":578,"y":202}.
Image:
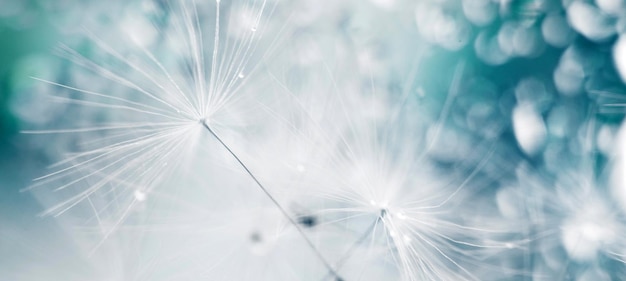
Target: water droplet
{"x":241,"y":75}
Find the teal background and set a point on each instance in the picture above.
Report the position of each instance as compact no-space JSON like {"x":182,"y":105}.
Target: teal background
{"x":26,"y":34}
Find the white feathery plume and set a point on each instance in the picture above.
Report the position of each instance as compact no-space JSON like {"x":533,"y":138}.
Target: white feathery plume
{"x":160,"y":99}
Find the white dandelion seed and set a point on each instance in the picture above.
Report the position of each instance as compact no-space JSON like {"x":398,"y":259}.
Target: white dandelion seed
{"x":158,"y":102}
{"x":368,"y":178}
{"x":166,"y":108}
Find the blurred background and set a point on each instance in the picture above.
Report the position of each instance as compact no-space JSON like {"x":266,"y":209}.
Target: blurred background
{"x":540,"y":76}
{"x":28,"y":37}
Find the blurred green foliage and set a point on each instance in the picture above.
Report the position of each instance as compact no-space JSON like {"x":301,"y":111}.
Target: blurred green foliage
{"x":25,"y":32}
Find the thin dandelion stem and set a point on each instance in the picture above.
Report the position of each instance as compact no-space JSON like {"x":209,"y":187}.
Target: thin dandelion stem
{"x":278,"y":205}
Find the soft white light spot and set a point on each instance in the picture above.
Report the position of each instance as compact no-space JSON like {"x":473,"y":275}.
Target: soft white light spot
{"x":582,"y":240}
{"x":385,"y":4}
{"x":452,"y":34}
{"x":530,"y":91}
{"x":479,"y":12}
{"x":517,"y":40}
{"x":140,"y":195}
{"x":556,"y":31}
{"x":300,"y":168}
{"x":406,"y":238}
{"x":589,"y":230}
{"x":605,"y":139}
{"x":529,"y":127}
{"x":527,"y":42}
{"x":488,"y":49}
{"x":590,"y":21}
{"x":139,"y":30}
{"x":613,"y":7}
{"x":509,"y":203}
{"x":619,"y":56}
{"x":569,"y":75}
{"x":439,"y":27}
{"x":618,"y":173}
{"x":401,"y":216}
